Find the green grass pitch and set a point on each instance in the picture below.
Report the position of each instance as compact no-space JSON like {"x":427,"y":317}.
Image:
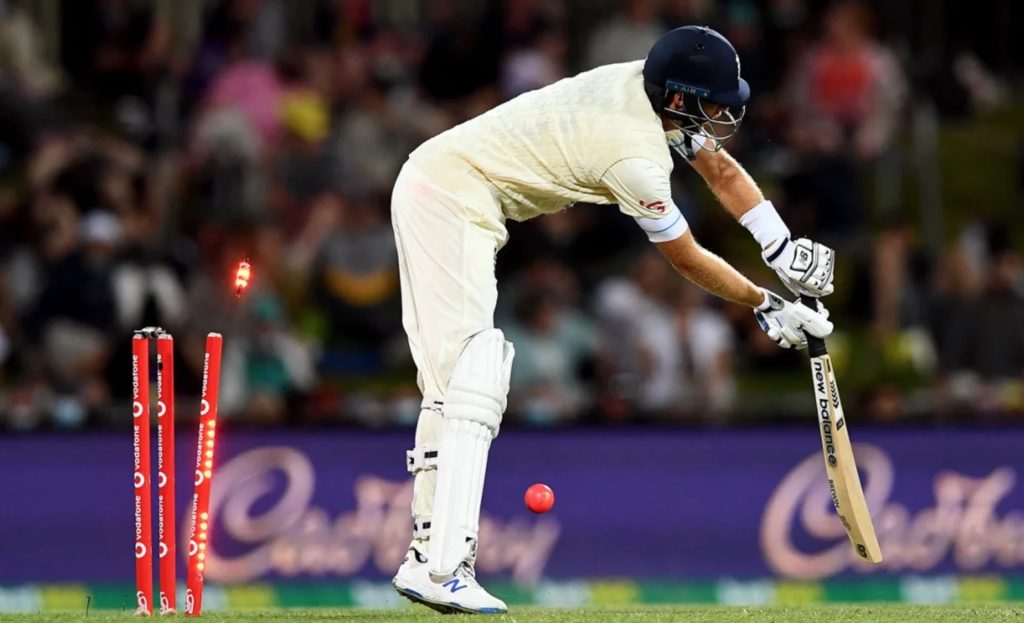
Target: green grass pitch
{"x":687,"y":614}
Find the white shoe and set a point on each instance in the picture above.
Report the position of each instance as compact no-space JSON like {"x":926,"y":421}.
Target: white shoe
{"x":413,"y":581}
{"x":461,"y":593}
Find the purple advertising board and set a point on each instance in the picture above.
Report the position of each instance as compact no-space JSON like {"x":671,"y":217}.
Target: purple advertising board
{"x":630,"y":503}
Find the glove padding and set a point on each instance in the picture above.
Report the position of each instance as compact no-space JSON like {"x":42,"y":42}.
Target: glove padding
{"x":785,"y":322}
{"x":804,"y":266}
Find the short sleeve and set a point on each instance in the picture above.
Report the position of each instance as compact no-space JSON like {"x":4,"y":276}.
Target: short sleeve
{"x":643,"y":190}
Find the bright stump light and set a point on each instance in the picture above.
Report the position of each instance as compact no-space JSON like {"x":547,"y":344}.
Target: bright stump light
{"x":242,"y":276}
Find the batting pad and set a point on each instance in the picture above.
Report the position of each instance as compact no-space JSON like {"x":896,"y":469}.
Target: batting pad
{"x":473,"y":407}
{"x":460,"y":487}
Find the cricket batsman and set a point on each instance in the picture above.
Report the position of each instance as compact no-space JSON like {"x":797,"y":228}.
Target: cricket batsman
{"x":601,"y":137}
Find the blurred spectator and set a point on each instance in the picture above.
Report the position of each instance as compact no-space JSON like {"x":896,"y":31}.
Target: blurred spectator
{"x":957,"y":288}
{"x":356,"y":277}
{"x":706,"y":341}
{"x":473,"y":50}
{"x":552,"y":346}
{"x":745,"y":31}
{"x":535,"y":65}
{"x":121,"y":50}
{"x":979,"y":328}
{"x":305,"y":168}
{"x":265,"y":368}
{"x":251,"y":88}
{"x":22,"y":56}
{"x":892,"y":285}
{"x":77,"y":314}
{"x":846,"y":100}
{"x":371,"y":142}
{"x":665,"y":342}
{"x":639,"y":335}
{"x":625,"y":37}
{"x":849,"y":90}
{"x":1002,"y":305}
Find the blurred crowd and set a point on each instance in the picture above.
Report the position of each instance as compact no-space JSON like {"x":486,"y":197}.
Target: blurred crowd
{"x":147,"y":146}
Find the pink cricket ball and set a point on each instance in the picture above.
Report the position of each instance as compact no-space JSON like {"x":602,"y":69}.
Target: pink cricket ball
{"x":539,"y":498}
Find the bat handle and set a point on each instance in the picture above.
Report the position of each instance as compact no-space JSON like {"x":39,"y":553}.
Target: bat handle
{"x":815,"y":345}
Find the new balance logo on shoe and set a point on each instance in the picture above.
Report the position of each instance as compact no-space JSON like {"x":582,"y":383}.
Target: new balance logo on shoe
{"x":453,"y":585}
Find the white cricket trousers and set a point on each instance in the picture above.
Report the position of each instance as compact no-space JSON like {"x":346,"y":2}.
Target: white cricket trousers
{"x":446,"y":262}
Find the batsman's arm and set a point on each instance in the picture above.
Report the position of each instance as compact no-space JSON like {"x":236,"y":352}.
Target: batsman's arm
{"x":643,"y":191}
{"x":805,"y":266}
{"x":741,"y":197}
{"x":709,"y":271}
{"x":729,"y":181}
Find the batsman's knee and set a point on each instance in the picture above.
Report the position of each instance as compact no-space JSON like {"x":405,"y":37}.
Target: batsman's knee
{"x":478,"y":388}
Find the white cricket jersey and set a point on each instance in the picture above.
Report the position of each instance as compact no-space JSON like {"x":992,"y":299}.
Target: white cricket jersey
{"x":590,"y":138}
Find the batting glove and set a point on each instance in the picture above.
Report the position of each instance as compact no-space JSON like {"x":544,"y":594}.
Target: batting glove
{"x":804,"y":266}
{"x":785,"y":322}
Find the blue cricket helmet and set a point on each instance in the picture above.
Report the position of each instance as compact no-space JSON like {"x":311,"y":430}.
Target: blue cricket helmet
{"x":699,"y":61}
{"x":702,"y":66}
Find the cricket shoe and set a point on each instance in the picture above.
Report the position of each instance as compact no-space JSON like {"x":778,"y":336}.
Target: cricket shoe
{"x":459,"y":593}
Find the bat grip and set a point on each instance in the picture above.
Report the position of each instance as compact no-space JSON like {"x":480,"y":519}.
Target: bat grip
{"x":815,"y":345}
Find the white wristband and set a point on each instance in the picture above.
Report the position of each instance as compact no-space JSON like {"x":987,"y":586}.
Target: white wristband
{"x":764,"y":224}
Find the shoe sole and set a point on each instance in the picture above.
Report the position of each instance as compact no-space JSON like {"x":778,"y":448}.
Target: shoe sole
{"x":443,"y":608}
{"x":416,"y":598}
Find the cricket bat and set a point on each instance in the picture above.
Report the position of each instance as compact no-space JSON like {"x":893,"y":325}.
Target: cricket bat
{"x":840,"y":465}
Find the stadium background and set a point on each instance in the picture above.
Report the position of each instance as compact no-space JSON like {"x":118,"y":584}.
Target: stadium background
{"x":147,"y":146}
